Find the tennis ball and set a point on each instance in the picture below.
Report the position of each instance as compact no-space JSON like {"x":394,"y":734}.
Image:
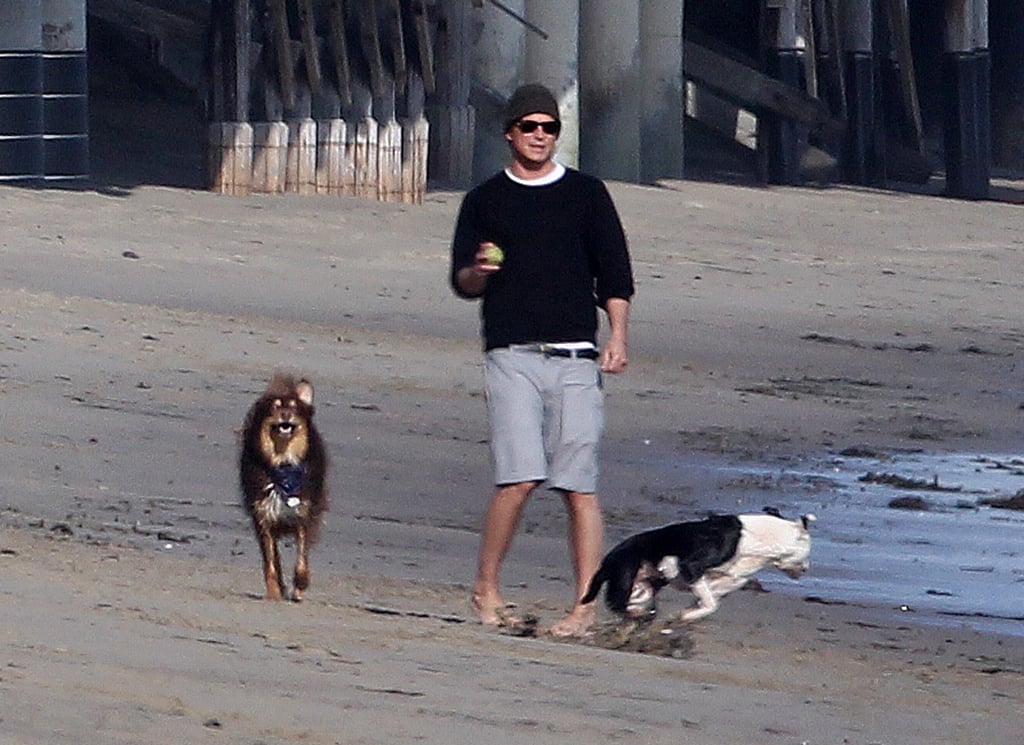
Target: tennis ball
{"x":493,"y":254}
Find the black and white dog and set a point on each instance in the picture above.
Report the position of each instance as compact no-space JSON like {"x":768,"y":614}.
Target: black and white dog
{"x":710,"y":558}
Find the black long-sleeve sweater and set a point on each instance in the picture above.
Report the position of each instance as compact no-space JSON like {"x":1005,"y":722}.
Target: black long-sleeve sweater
{"x":565,"y":255}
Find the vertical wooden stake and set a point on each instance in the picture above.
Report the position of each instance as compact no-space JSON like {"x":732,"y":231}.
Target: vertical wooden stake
{"x":364,"y":147}
{"x":310,"y":48}
{"x":330,"y":156}
{"x":270,"y":157}
{"x":415,"y":138}
{"x":216,"y":158}
{"x":301,"y":178}
{"x":389,"y":162}
{"x":230,"y":153}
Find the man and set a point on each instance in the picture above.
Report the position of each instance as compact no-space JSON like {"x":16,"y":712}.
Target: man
{"x":543,"y":246}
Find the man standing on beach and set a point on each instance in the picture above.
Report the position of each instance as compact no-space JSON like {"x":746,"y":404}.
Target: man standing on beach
{"x":543,"y":246}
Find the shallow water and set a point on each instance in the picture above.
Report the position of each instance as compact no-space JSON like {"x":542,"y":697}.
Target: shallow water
{"x":954,"y":562}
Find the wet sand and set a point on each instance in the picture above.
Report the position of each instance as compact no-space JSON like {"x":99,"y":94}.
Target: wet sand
{"x":769,"y":325}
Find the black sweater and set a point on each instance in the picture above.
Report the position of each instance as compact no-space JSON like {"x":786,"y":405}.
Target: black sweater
{"x":565,"y":254}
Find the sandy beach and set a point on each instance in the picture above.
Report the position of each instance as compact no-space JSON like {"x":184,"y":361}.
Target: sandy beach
{"x":771,"y":327}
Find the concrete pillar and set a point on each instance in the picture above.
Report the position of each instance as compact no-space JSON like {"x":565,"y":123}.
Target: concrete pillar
{"x":860,"y":162}
{"x":65,"y":90}
{"x":501,"y":47}
{"x":553,"y":60}
{"x":782,"y":136}
{"x":609,"y":51}
{"x":21,"y":92}
{"x":498,"y":68}
{"x":967,"y":127}
{"x":662,"y":89}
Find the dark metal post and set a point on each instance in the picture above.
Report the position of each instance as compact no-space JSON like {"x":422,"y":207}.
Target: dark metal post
{"x":65,"y":90}
{"x":782,"y":135}
{"x":21,"y":93}
{"x":860,"y":163}
{"x":967,"y":127}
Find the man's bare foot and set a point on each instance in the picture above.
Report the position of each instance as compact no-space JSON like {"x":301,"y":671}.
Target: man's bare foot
{"x":491,"y":610}
{"x":575,"y":625}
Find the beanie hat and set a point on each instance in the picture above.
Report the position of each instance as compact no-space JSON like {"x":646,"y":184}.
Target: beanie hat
{"x":530,"y":99}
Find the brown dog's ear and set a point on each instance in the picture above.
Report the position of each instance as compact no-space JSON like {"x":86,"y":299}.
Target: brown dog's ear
{"x":304,"y":392}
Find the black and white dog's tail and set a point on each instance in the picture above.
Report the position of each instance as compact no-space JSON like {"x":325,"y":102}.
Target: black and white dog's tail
{"x":596,"y":582}
{"x":617,"y":571}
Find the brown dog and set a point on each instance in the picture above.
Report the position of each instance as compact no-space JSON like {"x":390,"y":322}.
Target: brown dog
{"x":282,"y":470}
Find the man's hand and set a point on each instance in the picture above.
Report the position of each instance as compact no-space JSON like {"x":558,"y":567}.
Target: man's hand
{"x":472,"y":279}
{"x":488,"y":259}
{"x":614,"y":356}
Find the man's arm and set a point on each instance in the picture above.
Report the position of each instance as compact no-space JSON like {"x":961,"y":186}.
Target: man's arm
{"x":615,"y":355}
{"x":470,"y":267}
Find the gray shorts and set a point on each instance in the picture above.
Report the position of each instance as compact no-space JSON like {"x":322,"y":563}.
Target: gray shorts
{"x":547,"y":416}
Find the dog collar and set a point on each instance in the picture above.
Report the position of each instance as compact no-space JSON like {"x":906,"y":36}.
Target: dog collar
{"x":288,"y":480}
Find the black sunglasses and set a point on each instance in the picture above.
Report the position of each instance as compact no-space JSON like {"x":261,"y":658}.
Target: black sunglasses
{"x":526,"y":126}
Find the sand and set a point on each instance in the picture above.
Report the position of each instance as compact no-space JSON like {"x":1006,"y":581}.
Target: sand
{"x":138,"y":326}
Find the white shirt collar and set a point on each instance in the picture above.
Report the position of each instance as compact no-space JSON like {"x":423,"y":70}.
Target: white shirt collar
{"x":556,"y":173}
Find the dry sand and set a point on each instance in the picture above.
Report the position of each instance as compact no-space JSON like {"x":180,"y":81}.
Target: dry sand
{"x":769,"y":323}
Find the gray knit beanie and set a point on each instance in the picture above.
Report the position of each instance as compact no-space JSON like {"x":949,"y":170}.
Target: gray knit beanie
{"x":530,"y":99}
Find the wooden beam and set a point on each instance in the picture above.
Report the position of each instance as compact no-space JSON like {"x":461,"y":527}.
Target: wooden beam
{"x":339,"y":49}
{"x":138,"y":51}
{"x":242,"y":59}
{"x":280,"y":38}
{"x":836,"y":67}
{"x":811,"y":49}
{"x":310,"y":45}
{"x":425,"y":45}
{"x":218,"y":67}
{"x":142,"y":17}
{"x":396,"y":38}
{"x":725,"y":118}
{"x":195,"y":10}
{"x":752,"y":88}
{"x":900,"y":24}
{"x":369,"y":38}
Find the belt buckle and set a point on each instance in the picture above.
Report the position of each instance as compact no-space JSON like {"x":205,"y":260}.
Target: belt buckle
{"x":550,"y":350}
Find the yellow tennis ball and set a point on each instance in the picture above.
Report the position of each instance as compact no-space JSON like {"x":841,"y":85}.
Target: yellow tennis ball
{"x":493,"y":254}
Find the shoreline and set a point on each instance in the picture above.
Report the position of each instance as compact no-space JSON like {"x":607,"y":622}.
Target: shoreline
{"x":380,"y":659}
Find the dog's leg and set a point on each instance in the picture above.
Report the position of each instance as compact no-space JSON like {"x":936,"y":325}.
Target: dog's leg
{"x":641,"y":598}
{"x":707,"y":602}
{"x":271,"y":566}
{"x":722,"y":586}
{"x":301,"y":564}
